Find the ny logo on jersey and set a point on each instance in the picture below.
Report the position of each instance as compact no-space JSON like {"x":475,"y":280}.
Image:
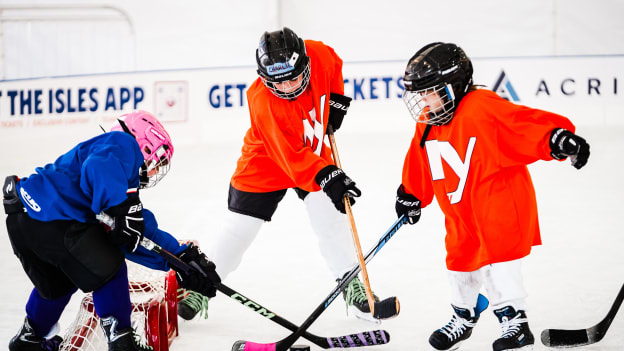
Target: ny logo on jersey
{"x":313,"y":131}
{"x":438,"y":150}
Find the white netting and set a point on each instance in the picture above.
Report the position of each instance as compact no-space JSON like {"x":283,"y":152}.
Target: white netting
{"x":154,"y":316}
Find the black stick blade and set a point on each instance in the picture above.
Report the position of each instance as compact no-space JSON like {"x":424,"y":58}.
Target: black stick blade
{"x":369,"y":338}
{"x":388,"y":308}
{"x":567,"y":338}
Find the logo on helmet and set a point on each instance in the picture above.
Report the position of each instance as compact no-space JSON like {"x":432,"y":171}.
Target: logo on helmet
{"x":157,"y":134}
{"x":279,"y":68}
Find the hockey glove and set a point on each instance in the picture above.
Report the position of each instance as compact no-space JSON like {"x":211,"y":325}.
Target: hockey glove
{"x":203,"y":278}
{"x":564,"y":143}
{"x":128,"y":225}
{"x":408,"y":205}
{"x":336,"y":184}
{"x":338,"y":106}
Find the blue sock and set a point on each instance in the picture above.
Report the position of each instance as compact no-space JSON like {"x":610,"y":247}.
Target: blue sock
{"x":113,"y":299}
{"x":43,"y":313}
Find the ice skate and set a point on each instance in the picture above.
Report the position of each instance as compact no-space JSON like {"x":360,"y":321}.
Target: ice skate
{"x":121,"y":340}
{"x":26,"y":340}
{"x":192,"y":303}
{"x":356,"y":301}
{"x":455,"y":332}
{"x":516,"y":334}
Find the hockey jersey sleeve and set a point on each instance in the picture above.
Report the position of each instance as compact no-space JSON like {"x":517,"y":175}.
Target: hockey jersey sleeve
{"x":167,"y":241}
{"x":416,"y":175}
{"x":110,"y":169}
{"x":522,"y":133}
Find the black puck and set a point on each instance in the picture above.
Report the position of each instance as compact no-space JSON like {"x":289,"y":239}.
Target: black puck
{"x":300,"y":348}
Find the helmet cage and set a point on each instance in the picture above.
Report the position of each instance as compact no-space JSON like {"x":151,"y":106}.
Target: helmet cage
{"x":155,"y":167}
{"x":434,"y":105}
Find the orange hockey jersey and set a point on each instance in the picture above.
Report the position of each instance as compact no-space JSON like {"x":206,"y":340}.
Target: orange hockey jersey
{"x":476,"y":167}
{"x":284,"y":147}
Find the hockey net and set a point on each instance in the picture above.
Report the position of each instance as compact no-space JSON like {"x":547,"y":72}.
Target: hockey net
{"x":154,"y":313}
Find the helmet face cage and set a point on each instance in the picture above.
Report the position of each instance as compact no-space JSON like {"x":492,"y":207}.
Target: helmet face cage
{"x":154,"y":142}
{"x":283,"y":65}
{"x":433,"y":105}
{"x":155,"y":168}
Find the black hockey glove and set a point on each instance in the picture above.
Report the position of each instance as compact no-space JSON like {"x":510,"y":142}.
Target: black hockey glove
{"x":338,"y":106}
{"x":408,"y":205}
{"x":128,"y":224}
{"x":336,"y":184}
{"x":203,"y":278}
{"x":564,"y":143}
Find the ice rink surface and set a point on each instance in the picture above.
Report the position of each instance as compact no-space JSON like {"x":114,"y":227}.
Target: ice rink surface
{"x":572,"y":279}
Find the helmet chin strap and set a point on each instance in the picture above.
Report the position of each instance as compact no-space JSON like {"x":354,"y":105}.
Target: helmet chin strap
{"x":143,"y":177}
{"x":425,"y":134}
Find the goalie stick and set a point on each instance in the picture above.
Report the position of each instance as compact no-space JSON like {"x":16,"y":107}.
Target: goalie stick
{"x":582,"y":337}
{"x":287,"y":342}
{"x":390,"y":307}
{"x":373,"y":337}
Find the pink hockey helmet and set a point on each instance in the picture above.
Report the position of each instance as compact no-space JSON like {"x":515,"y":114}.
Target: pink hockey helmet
{"x":154,"y":142}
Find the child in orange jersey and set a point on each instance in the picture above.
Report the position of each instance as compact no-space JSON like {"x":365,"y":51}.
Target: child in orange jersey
{"x":299,"y":92}
{"x":471,"y":149}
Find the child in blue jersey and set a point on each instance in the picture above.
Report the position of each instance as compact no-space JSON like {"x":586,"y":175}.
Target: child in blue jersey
{"x":53,"y":226}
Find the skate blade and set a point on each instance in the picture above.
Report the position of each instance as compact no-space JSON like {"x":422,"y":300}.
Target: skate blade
{"x":452,"y":348}
{"x":523,"y":348}
{"x":352,"y":310}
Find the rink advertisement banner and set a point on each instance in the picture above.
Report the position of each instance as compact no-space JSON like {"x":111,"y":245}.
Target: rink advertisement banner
{"x":204,"y":101}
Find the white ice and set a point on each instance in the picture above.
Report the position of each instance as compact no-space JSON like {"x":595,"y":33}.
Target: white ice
{"x":572,"y":278}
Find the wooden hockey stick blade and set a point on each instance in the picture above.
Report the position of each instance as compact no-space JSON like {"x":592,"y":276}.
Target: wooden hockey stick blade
{"x":388,"y":308}
{"x":582,"y":337}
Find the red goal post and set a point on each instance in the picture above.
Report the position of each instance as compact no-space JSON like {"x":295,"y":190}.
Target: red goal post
{"x":154,"y":313}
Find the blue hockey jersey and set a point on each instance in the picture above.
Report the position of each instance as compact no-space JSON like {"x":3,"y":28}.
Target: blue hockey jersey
{"x":93,"y":176}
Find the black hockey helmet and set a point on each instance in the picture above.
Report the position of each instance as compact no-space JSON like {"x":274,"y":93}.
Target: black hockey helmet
{"x":439,"y":67}
{"x":281,"y":57}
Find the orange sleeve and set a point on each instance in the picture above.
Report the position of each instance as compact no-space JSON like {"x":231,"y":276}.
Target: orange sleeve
{"x":416,"y":176}
{"x":522,"y":132}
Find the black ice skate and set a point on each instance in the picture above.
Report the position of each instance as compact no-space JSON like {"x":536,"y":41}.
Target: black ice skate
{"x":450,"y":336}
{"x":356,"y":301}
{"x":26,"y":340}
{"x":191,"y":303}
{"x":121,"y":340}
{"x":516,"y":333}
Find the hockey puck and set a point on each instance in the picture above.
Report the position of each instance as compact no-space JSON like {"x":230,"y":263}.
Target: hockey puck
{"x":300,"y":348}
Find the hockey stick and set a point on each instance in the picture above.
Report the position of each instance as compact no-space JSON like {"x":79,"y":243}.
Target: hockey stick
{"x":373,"y":337}
{"x":287,"y":342}
{"x":369,"y":338}
{"x":582,"y":337}
{"x":390,"y":307}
